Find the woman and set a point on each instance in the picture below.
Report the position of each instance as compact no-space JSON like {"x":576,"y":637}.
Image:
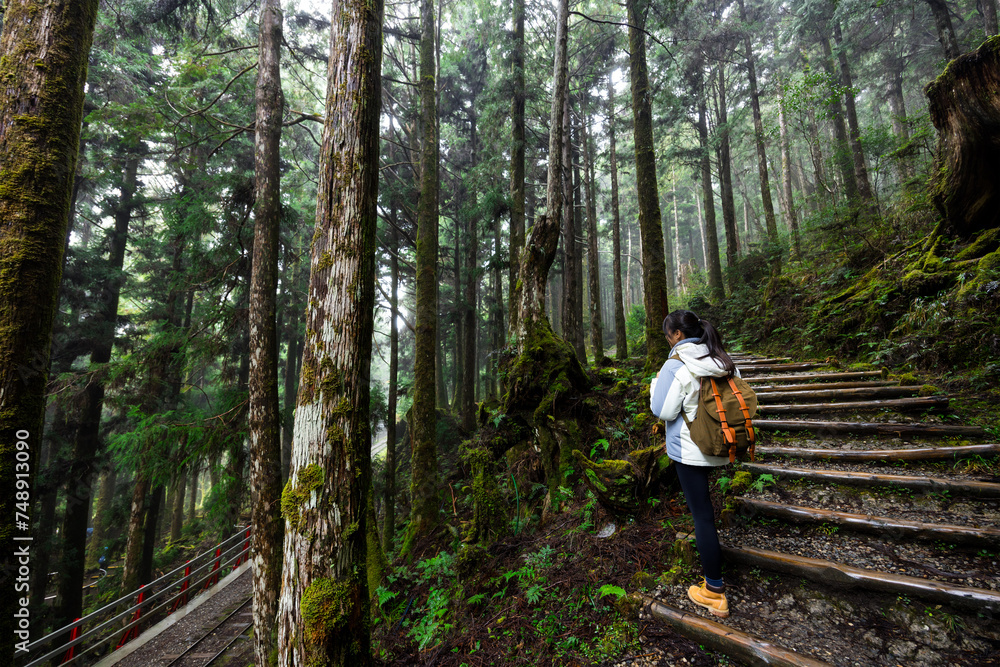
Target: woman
{"x":696,"y":352}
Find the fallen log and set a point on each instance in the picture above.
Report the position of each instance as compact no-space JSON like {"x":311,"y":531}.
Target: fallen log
{"x":959,"y":487}
{"x":844,"y":576}
{"x":917,"y":454}
{"x":733,"y":643}
{"x":826,"y":393}
{"x":801,"y":377}
{"x":819,"y":385}
{"x":774,"y":368}
{"x":918,"y":403}
{"x":882,"y":525}
{"x":881,"y":428}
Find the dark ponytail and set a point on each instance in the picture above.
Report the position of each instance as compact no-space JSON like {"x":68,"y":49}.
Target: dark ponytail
{"x":694,"y":327}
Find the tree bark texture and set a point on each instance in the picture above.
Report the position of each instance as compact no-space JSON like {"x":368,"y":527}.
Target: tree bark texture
{"x":897,"y":114}
{"x":621,"y":342}
{"x":842,"y":146}
{"x":945,"y":30}
{"x":44,"y":47}
{"x":467,"y":406}
{"x":177,"y":507}
{"x":788,"y":202}
{"x":714,"y":265}
{"x":572,"y":327}
{"x":654,"y":271}
{"x":517,"y":147}
{"x":593,"y":256}
{"x":965,"y":109}
{"x":726,"y":179}
{"x":323,"y":615}
{"x":264,"y":410}
{"x":389,"y":529}
{"x":988,"y":9}
{"x":423,"y":516}
{"x":758,"y":130}
{"x":102,"y":509}
{"x":854,"y":130}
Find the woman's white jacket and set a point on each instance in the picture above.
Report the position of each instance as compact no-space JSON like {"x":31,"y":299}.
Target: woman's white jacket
{"x":675,"y":388}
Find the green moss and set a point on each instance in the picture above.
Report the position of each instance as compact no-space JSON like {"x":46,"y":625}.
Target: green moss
{"x":488,"y":513}
{"x":741,"y":481}
{"x":986,"y":243}
{"x":928,"y":390}
{"x":908,"y":380}
{"x":325,"y":606}
{"x":294,"y":497}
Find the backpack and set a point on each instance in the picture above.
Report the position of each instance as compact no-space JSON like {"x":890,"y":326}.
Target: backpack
{"x":724,"y":422}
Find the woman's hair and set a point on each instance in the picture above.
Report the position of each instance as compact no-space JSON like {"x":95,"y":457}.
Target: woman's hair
{"x":694,"y":327}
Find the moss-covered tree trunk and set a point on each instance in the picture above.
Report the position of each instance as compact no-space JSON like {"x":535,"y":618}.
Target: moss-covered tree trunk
{"x":654,"y":271}
{"x":323,"y":616}
{"x":964,"y":105}
{"x":424,"y":484}
{"x":177,"y":504}
{"x":264,"y":430}
{"x":43,"y":66}
{"x":572,"y":327}
{"x":621,"y":342}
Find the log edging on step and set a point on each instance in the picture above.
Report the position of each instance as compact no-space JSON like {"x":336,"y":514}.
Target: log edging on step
{"x":799,"y":377}
{"x":846,"y":576}
{"x":915,"y":454}
{"x":852,"y":478}
{"x":726,"y":640}
{"x":918,"y":403}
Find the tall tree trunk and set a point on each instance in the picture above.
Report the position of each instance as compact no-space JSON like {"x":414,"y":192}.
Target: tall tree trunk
{"x":467,"y":408}
{"x":177,"y":509}
{"x":80,"y":475}
{"x":55,"y":451}
{"x":131,"y":578}
{"x":945,"y":31}
{"x":151,"y":533}
{"x":854,"y":129}
{"x":786,"y":172}
{"x":988,"y":10}
{"x":497,"y":323}
{"x":726,"y":181}
{"x":195,"y":476}
{"x":388,"y":532}
{"x":264,"y":411}
{"x":715,"y":287}
{"x":102,"y":510}
{"x":424,"y":485}
{"x":323,"y":615}
{"x":517,"y":147}
{"x":897,"y":114}
{"x":572,"y":327}
{"x":594,"y":266}
{"x":43,"y":59}
{"x":621,"y":342}
{"x":758,"y":130}
{"x":292,"y":359}
{"x":653,"y":267}
{"x":457,"y":320}
{"x":842,"y":149}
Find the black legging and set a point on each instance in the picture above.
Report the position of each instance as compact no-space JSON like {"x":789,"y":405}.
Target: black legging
{"x":694,"y":483}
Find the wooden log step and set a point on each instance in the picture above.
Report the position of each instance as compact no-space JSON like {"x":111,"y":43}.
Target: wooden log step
{"x":863,"y":428}
{"x":821,"y":385}
{"x":762,"y":360}
{"x":774,"y":368}
{"x":728,"y":641}
{"x":827,"y":394}
{"x":916,"y":403}
{"x":845,"y":576}
{"x":959,"y":487}
{"x":821,"y":377}
{"x":860,"y":455}
{"x":882,"y":525}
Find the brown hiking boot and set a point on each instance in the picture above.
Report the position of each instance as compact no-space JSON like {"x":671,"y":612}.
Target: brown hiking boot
{"x":711,"y":598}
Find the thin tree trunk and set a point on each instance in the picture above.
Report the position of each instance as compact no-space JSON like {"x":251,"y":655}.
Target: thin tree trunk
{"x":726,"y":181}
{"x":177,"y":510}
{"x":897,"y":114}
{"x":193,"y":506}
{"x":323,"y":615}
{"x":388,"y":532}
{"x":715,"y":287}
{"x":467,"y":408}
{"x":653,"y":267}
{"x":151,"y":533}
{"x":594,"y":267}
{"x":786,"y":173}
{"x":457,"y":319}
{"x":572,"y":328}
{"x":842,"y":151}
{"x":702,"y":236}
{"x":44,"y":48}
{"x":945,"y":31}
{"x":133,"y":544}
{"x":621,"y":342}
{"x":264,"y":409}
{"x":517,"y":148}
{"x":758,"y":126}
{"x":854,"y":129}
{"x":424,"y":485}
{"x":102,"y":510}
{"x":988,"y":10}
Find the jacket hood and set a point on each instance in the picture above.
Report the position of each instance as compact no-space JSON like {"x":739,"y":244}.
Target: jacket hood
{"x":694,"y":356}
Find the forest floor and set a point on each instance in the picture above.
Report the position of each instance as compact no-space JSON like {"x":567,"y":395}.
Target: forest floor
{"x":553,"y":593}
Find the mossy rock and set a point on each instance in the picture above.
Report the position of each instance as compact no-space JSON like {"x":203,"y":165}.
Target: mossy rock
{"x":608,"y":374}
{"x":683,"y":553}
{"x":671,"y":577}
{"x":928,"y":390}
{"x":643,"y":580}
{"x":922,"y":283}
{"x":986,"y":243}
{"x":471,"y":558}
{"x":908,"y":380}
{"x":741,"y":482}
{"x":620,"y":387}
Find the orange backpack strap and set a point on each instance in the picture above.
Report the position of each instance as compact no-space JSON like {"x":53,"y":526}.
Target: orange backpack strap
{"x":751,"y":436}
{"x":727,"y":430}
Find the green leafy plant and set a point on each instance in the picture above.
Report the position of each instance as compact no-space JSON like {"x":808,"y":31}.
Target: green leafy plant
{"x":763,"y":482}
{"x":609,"y":589}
